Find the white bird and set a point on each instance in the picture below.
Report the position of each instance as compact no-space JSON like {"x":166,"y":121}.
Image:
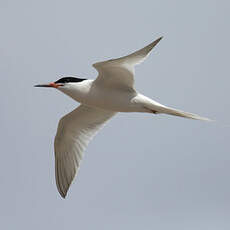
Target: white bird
{"x":111,"y":92}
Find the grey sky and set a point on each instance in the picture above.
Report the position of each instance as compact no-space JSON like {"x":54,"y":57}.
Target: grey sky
{"x":141,"y":171}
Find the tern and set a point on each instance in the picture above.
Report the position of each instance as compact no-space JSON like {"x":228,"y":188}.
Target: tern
{"x":100,"y":99}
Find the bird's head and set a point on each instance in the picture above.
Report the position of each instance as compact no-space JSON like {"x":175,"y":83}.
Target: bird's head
{"x":62,"y":83}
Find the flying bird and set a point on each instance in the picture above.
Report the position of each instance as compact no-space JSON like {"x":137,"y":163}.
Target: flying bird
{"x":100,"y":99}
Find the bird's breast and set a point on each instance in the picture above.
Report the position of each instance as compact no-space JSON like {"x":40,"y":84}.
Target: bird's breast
{"x":118,"y":100}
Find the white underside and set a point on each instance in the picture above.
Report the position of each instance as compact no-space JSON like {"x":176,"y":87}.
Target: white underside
{"x":92,"y":94}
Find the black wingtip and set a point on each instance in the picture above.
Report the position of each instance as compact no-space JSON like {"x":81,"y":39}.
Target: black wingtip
{"x":63,"y":195}
{"x":154,"y":43}
{"x":159,"y":39}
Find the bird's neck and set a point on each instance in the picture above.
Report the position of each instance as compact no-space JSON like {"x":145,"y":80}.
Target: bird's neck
{"x":78,"y":91}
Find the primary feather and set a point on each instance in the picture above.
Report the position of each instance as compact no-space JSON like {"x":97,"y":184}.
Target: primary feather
{"x":74,"y":132}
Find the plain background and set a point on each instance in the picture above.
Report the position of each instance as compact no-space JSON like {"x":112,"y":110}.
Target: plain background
{"x":141,"y":171}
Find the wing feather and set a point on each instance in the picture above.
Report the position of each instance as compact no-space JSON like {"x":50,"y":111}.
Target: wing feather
{"x":74,"y":132}
{"x":120,"y":71}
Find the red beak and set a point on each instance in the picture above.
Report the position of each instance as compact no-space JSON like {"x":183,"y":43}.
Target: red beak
{"x":52,"y":84}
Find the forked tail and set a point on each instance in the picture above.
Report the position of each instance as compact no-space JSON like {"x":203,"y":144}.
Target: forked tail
{"x":175,"y":112}
{"x":157,"y":108}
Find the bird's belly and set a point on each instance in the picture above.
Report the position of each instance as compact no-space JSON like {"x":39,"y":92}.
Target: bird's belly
{"x":117,"y":100}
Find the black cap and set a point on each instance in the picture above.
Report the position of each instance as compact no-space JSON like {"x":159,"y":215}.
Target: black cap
{"x":69,"y":80}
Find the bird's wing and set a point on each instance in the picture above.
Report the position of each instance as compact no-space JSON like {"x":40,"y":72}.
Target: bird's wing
{"x":120,"y":72}
{"x":74,"y":132}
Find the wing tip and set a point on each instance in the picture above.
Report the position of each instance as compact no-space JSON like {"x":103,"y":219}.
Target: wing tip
{"x":156,"y":41}
{"x":161,"y":37}
{"x":63,"y":195}
{"x":62,"y":192}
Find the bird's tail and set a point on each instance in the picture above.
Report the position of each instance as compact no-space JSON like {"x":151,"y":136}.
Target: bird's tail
{"x":176,"y":112}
